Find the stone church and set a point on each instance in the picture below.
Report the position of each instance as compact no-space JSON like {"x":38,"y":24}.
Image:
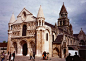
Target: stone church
{"x":29,"y":33}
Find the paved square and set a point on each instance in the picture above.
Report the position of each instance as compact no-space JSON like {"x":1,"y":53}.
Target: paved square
{"x":26,"y":58}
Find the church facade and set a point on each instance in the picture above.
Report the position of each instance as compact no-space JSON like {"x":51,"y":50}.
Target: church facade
{"x":29,"y":33}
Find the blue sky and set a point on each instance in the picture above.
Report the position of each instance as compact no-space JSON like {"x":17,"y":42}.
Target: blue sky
{"x":51,"y":8}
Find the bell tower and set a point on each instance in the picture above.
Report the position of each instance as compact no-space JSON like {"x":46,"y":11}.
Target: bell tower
{"x":63,"y":21}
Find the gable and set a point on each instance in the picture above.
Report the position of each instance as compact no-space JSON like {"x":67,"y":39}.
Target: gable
{"x":25,"y":16}
{"x":24,"y":10}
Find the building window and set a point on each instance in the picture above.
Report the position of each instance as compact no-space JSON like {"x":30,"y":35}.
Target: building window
{"x":11,"y":27}
{"x":46,"y":36}
{"x":39,"y":22}
{"x":53,"y":37}
{"x":60,"y":23}
{"x":42,"y":22}
{"x":24,"y":30}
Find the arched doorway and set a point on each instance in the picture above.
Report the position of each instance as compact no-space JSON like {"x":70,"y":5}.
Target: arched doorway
{"x":64,"y":51}
{"x":24,"y":47}
{"x":24,"y":30}
{"x":70,"y":48}
{"x":82,"y":42}
{"x":56,"y":52}
{"x":15,"y":46}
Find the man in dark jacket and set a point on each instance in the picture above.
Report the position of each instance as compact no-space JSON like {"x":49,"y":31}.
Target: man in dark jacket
{"x":69,"y":58}
{"x":13,"y":55}
{"x":76,"y":57}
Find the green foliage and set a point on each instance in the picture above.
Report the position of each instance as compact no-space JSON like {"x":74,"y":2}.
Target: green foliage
{"x":4,"y":42}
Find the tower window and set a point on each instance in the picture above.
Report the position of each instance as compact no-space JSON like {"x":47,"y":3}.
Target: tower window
{"x":11,"y":27}
{"x":63,"y":22}
{"x":46,"y":36}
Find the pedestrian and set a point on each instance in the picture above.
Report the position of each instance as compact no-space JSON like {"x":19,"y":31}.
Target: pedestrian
{"x":47,"y":56}
{"x":44,"y":54}
{"x":69,"y":58}
{"x":10,"y":56}
{"x":31,"y":55}
{"x":76,"y":57}
{"x":34,"y":55}
{"x":13,"y":55}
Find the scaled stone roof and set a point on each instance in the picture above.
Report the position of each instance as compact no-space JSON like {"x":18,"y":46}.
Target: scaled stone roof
{"x":40,"y":12}
{"x":63,"y":9}
{"x":46,"y":23}
{"x":12,"y":19}
{"x":58,"y":39}
{"x":75,"y":35}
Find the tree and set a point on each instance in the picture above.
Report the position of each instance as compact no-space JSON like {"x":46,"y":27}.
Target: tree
{"x":4,"y":42}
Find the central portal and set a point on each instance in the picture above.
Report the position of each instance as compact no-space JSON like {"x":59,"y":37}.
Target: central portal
{"x":25,"y":49}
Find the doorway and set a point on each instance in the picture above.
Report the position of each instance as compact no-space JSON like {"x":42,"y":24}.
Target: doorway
{"x":25,"y":49}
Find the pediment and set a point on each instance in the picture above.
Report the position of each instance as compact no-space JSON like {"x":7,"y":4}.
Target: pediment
{"x":26,"y":11}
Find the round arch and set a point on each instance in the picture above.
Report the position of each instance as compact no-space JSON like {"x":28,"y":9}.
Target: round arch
{"x":56,"y":52}
{"x":23,"y":43}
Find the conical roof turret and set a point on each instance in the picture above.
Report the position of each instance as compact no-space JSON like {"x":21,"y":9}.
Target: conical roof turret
{"x":63,"y":9}
{"x":40,"y":12}
{"x":12,"y":19}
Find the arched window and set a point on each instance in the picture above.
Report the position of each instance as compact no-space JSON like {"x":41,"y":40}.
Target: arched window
{"x":39,"y":22}
{"x":11,"y":27}
{"x":53,"y":37}
{"x":24,"y":30}
{"x":42,"y":22}
{"x":63,"y":22}
{"x":46,"y":36}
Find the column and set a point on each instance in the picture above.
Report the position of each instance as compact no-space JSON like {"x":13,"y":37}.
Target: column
{"x":41,"y":22}
{"x":38,"y":23}
{"x":59,"y":23}
{"x":38,"y":51}
{"x":62,"y":22}
{"x":28,"y":49}
{"x":19,"y":49}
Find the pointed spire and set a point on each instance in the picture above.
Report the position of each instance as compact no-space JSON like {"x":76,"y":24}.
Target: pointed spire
{"x":55,"y":24}
{"x":40,"y":12}
{"x":12,"y":19}
{"x":81,"y":32}
{"x":63,"y":9}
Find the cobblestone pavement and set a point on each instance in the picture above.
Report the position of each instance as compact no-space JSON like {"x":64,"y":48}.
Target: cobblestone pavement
{"x":26,"y":58}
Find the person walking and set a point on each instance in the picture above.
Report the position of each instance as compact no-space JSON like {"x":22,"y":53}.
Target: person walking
{"x":13,"y":55}
{"x":44,"y":54}
{"x":69,"y":58}
{"x":2,"y":56}
{"x":34,"y":55}
{"x":76,"y":57}
{"x":8,"y":56}
{"x":31,"y":55}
